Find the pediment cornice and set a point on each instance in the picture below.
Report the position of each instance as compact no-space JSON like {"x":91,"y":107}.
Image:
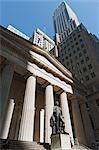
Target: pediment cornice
{"x":24,"y":48}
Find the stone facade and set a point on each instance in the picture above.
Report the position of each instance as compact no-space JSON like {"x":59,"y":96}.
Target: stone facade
{"x":79,"y":53}
{"x":32,"y":80}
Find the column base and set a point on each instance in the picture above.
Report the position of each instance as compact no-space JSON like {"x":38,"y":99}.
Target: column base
{"x":60,"y":142}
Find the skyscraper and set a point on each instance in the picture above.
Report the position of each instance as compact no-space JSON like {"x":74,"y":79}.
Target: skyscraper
{"x":65,"y":20}
{"x":79,"y":52}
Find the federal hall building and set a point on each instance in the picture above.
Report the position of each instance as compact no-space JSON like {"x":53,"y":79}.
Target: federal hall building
{"x":31,"y":81}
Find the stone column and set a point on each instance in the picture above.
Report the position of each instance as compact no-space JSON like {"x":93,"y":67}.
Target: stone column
{"x":87,"y":123}
{"x":28,"y":112}
{"x":78,"y":124}
{"x":7,"y":120}
{"x":5,"y":82}
{"x":49,"y":104}
{"x":42,"y":126}
{"x":66,"y":115}
{"x":18,"y":119}
{"x":94,"y":111}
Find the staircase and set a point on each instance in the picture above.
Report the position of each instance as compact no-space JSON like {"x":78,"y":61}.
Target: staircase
{"x":19,"y":145}
{"x":25,"y":145}
{"x":80,"y":147}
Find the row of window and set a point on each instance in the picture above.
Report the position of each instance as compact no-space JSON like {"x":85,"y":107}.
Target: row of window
{"x":76,"y":57}
{"x":87,"y":77}
{"x":89,"y":67}
{"x":82,"y":61}
{"x":92,"y":75}
{"x":67,"y":45}
{"x":65,"y":51}
{"x":84,"y":69}
{"x":74,"y":37}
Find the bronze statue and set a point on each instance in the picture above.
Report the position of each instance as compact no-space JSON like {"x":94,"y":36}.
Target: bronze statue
{"x":57,"y":120}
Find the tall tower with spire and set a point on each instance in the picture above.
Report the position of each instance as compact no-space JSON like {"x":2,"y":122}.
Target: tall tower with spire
{"x":65,"y":20}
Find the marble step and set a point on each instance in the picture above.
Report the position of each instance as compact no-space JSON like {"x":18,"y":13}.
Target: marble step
{"x":80,"y":147}
{"x":21,"y":145}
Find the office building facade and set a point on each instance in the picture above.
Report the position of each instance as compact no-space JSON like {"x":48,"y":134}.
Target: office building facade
{"x":79,"y":52}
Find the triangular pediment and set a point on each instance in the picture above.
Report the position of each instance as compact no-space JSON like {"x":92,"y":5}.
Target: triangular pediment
{"x":25,"y":49}
{"x":45,"y":61}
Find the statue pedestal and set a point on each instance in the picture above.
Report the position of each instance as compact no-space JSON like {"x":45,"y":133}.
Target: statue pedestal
{"x":60,"y":142}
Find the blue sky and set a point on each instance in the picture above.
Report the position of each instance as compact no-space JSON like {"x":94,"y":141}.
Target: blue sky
{"x":27,"y":15}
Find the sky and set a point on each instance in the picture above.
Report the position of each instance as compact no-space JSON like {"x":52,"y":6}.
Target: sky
{"x":27,"y":15}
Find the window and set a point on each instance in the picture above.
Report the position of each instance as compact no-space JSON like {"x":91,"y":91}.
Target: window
{"x":67,"y":44}
{"x":68,"y":29}
{"x":77,"y":64}
{"x":66,"y":40}
{"x":72,"y":46}
{"x":80,"y":40}
{"x":78,"y":35}
{"x":87,"y":78}
{"x":74,"y":34}
{"x":87,"y":58}
{"x":65,"y":52}
{"x":70,"y":55}
{"x":64,"y":47}
{"x":80,"y":54}
{"x":76,"y":57}
{"x":90,"y":66}
{"x":62,"y":55}
{"x":66,"y":57}
{"x":74,"y":39}
{"x":84,"y":69}
{"x":92,"y":74}
{"x":67,"y":63}
{"x":62,"y":59}
{"x":82,"y":81}
{"x":80,"y":72}
{"x":82,"y":45}
{"x":78,"y":48}
{"x":72,"y":67}
{"x":69,"y":38}
{"x":71,"y":61}
{"x":84,"y":51}
{"x":82,"y":61}
{"x":74,"y":51}
{"x":76,"y":43}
